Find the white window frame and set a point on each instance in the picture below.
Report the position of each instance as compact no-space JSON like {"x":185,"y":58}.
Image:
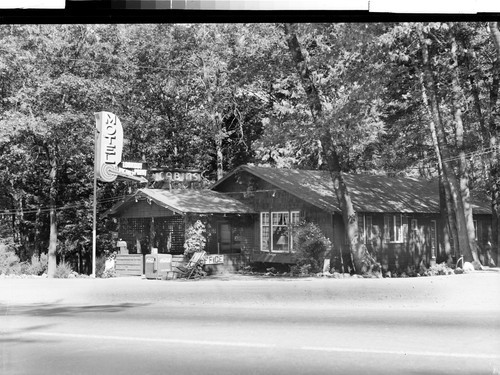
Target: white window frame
{"x":292,"y":217}
{"x":475,"y":229}
{"x":365,"y":223}
{"x":397,"y":231}
{"x":433,"y":237}
{"x":261,"y":225}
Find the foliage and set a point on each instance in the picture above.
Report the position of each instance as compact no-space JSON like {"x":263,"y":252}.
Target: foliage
{"x":63,"y":270}
{"x":302,"y":270}
{"x":215,"y":96}
{"x":100,"y":266}
{"x":439,"y":269}
{"x":9,"y":261}
{"x":311,"y":247}
{"x":106,"y":274}
{"x":195,"y":237}
{"x":37,"y":266}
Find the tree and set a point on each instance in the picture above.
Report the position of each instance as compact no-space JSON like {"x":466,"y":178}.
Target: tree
{"x":46,"y":109}
{"x":362,"y":259}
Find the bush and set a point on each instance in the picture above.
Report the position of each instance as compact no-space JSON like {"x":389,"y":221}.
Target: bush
{"x":195,"y":238}
{"x":9,"y":261}
{"x":100,"y":265}
{"x":38,"y":265}
{"x":303,"y":270}
{"x":63,"y":271}
{"x":311,"y":247}
{"x":439,"y":269}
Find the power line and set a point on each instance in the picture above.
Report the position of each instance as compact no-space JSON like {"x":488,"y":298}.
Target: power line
{"x":59,"y":208}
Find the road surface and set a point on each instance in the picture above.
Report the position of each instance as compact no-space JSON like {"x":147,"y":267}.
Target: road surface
{"x":439,"y":325}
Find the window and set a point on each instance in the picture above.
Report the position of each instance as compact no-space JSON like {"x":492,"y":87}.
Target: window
{"x":264,"y":231}
{"x":279,"y":230}
{"x":433,"y":238}
{"x":365,"y":227}
{"x":276,"y":230}
{"x":369,"y":228}
{"x":414,"y":224}
{"x":393,"y":228}
{"x":361,"y":228}
{"x":475,"y":230}
{"x":224,"y":237}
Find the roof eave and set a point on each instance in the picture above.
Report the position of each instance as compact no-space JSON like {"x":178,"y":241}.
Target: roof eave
{"x":263,"y":177}
{"x":160,"y":203}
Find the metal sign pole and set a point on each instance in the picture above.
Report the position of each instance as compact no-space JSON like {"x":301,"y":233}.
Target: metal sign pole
{"x":94,"y":224}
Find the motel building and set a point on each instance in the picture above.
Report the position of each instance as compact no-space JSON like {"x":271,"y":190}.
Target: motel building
{"x":250,"y":213}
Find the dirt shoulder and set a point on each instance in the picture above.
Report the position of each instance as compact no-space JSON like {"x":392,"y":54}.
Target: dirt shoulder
{"x":475,"y":292}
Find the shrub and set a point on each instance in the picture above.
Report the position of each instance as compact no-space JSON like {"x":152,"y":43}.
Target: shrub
{"x":63,"y":270}
{"x":439,"y":269}
{"x":100,"y":265}
{"x":195,"y":238}
{"x":38,"y":265}
{"x":108,"y":273}
{"x":311,"y":247}
{"x":303,"y":270}
{"x":9,"y":261}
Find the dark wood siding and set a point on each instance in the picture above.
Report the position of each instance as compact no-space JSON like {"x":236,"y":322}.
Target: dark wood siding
{"x":167,"y":230}
{"x":241,"y":239}
{"x":265,"y":197}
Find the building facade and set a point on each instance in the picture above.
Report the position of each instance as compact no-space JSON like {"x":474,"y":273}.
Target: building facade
{"x":250,"y":215}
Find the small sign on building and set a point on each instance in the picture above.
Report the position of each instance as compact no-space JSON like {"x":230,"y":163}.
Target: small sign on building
{"x":214,"y":259}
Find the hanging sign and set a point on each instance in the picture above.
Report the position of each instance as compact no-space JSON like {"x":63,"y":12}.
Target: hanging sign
{"x":134,"y":165}
{"x":133,"y":168}
{"x":108,"y":146}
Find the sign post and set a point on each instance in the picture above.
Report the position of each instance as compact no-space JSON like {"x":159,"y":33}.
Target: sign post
{"x":107,"y":161}
{"x":107,"y":156}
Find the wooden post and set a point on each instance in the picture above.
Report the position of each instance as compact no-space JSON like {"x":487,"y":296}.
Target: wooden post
{"x":94,"y":228}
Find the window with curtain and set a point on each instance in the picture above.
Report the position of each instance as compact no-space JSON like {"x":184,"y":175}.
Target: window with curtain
{"x":276,"y":230}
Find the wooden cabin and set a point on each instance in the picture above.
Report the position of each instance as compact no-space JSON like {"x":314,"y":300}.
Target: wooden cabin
{"x":155,"y":221}
{"x":398,"y":218}
{"x":250,"y":213}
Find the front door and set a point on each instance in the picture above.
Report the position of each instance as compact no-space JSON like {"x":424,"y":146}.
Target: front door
{"x":224,"y":238}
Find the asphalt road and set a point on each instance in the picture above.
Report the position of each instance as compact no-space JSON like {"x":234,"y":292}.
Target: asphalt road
{"x":443,"y":325}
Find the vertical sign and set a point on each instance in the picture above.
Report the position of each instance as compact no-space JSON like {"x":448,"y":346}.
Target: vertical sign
{"x":108,"y":146}
{"x":107,"y":156}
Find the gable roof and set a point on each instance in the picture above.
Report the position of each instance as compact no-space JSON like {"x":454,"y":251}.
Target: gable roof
{"x":368,"y":193}
{"x":183,"y":201}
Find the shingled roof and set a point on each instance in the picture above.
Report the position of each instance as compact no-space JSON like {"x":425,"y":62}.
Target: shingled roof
{"x":369,"y":193}
{"x":183,"y":201}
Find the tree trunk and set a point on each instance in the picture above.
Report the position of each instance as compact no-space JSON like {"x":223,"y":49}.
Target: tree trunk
{"x":489,"y":135}
{"x":220,"y":155}
{"x":459,"y":135}
{"x":433,"y":102}
{"x":52,"y":260}
{"x":17,"y":202}
{"x":445,"y":195}
{"x":361,"y":258}
{"x":493,"y":139}
{"x":36,"y":239}
{"x":447,"y":223}
{"x":495,"y":35}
